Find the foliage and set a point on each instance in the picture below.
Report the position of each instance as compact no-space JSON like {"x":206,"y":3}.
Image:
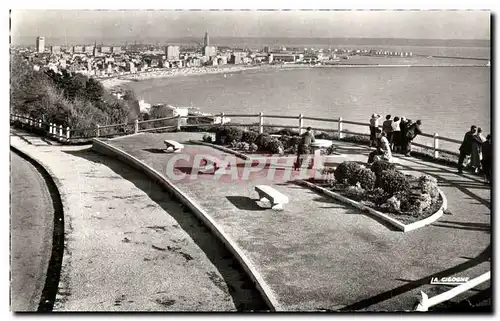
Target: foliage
{"x":379,"y":166}
{"x":378,"y":196}
{"x":428,"y":185}
{"x":363,"y":176}
{"x":67,"y":99}
{"x":355,"y":192}
{"x":331,"y":150}
{"x":207,"y":138}
{"x":275,"y":146}
{"x":225,"y":135}
{"x":393,"y":181}
{"x":249,"y":136}
{"x":345,"y":170}
{"x":253,"y":147}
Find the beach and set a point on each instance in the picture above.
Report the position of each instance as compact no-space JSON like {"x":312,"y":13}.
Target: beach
{"x":172,"y":72}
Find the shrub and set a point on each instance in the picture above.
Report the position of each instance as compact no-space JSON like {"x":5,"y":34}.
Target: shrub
{"x":244,"y":146}
{"x":356,"y":192}
{"x":286,"y":132}
{"x":363,"y":176}
{"x":393,"y":204}
{"x":324,"y":135}
{"x":346,"y":170}
{"x":428,"y":185}
{"x":207,"y":138}
{"x":227,"y":135}
{"x":275,"y":147}
{"x":331,"y":150}
{"x":393,"y":181}
{"x":249,"y":136}
{"x":379,"y":166}
{"x":328,"y":175}
{"x":253,"y":147}
{"x":263,"y":140}
{"x":377,"y":196}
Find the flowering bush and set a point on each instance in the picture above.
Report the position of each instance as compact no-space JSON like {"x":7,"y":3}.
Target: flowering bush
{"x":393,"y":204}
{"x":356,"y":192}
{"x":378,"y":196}
{"x":275,"y":147}
{"x":328,"y":175}
{"x":253,"y":147}
{"x":244,"y":146}
{"x":428,"y":185}
{"x":345,"y":170}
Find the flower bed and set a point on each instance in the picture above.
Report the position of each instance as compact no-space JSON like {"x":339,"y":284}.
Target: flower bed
{"x":382,"y":187}
{"x":249,"y":141}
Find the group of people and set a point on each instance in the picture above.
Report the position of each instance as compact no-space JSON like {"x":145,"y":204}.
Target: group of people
{"x":396,"y":135}
{"x":479,"y":150}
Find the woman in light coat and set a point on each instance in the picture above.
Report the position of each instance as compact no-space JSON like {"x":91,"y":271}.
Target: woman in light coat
{"x":476,"y":155}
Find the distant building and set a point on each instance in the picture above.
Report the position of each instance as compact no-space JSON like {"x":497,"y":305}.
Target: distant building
{"x":105,"y":49}
{"x":237,"y":57}
{"x":89,"y":50}
{"x":267,"y":49}
{"x":172,"y":53}
{"x":117,"y":50}
{"x":277,"y":57}
{"x":206,"y":40}
{"x":55,"y":49}
{"x":77,"y":49}
{"x":209,"y":51}
{"x":40,"y":44}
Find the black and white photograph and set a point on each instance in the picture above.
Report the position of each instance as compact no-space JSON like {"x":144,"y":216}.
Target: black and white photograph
{"x":304,"y":160}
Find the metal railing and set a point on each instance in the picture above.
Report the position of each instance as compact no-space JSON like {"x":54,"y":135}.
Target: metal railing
{"x":179,"y":122}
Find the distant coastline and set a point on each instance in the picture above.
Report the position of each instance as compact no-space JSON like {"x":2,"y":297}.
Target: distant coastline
{"x":371,"y":62}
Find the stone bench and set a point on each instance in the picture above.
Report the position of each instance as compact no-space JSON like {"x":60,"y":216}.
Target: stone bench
{"x":175,"y":146}
{"x":268,"y":193}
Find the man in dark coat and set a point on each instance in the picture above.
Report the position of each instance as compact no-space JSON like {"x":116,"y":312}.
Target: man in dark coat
{"x":412,"y":132}
{"x":403,"y":129}
{"x":466,"y":147}
{"x":303,"y":148}
{"x":487,"y":160}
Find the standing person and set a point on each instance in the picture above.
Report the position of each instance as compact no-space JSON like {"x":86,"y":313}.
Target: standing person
{"x":476,"y":155}
{"x":466,"y":147}
{"x":387,"y":128}
{"x":396,"y":134}
{"x":373,"y":129}
{"x":487,"y":160}
{"x":403,"y":128}
{"x":413,"y":131}
{"x":304,"y":146}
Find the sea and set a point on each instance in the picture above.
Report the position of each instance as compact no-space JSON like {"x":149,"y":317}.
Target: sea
{"x":448,"y":100}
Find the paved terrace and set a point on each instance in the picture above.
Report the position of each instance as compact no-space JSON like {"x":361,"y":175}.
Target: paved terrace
{"x":128,"y":246}
{"x":320,"y":254}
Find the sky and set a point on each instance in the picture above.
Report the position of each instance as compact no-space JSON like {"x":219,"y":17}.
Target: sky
{"x":137,"y":24}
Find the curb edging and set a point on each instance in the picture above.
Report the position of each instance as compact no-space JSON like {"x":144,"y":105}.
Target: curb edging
{"x":109,"y":150}
{"x":221,"y":148}
{"x":402,"y":227}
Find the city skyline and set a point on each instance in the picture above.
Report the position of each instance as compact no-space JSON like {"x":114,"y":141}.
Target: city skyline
{"x":82,"y":25}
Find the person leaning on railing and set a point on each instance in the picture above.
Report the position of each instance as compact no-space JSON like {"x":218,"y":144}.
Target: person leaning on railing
{"x":373,"y":129}
{"x":412,"y":132}
{"x":387,"y":128}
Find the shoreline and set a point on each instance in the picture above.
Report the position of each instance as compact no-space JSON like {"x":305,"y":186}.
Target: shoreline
{"x":114,"y":82}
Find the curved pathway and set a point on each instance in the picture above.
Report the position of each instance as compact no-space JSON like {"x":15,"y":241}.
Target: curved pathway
{"x":129,"y":247}
{"x":321,"y":255}
{"x":32,"y":215}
